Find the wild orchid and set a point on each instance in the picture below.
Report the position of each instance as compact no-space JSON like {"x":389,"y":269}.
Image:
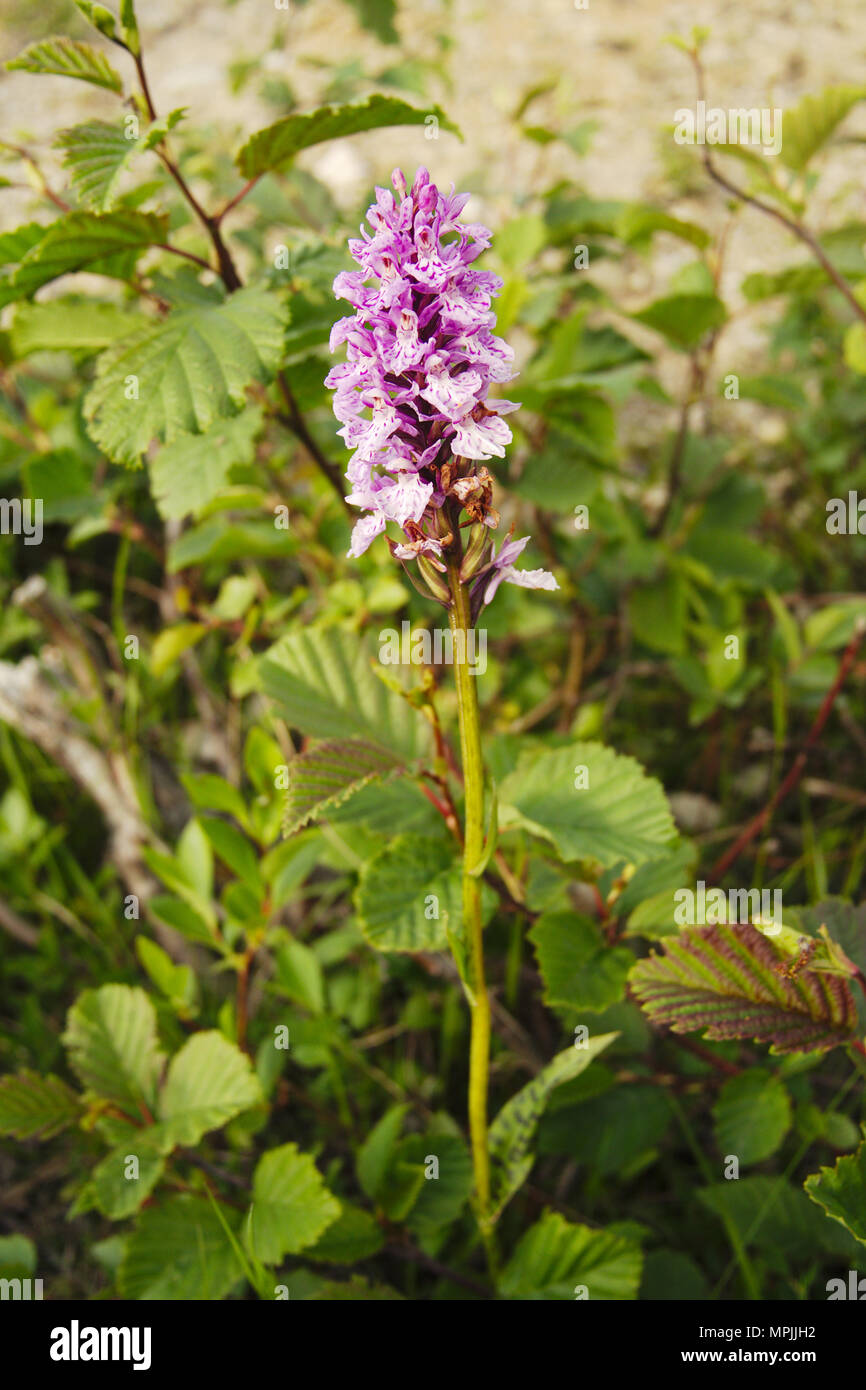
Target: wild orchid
{"x":421,"y":358}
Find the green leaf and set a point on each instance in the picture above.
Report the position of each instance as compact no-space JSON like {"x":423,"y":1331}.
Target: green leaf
{"x":513,"y":1130}
{"x":97,"y":154}
{"x":129,"y":26}
{"x":170,"y":644}
{"x":323,"y":683}
{"x":327,"y":774}
{"x":810,"y":124}
{"x":441,"y":1198}
{"x":179,"y":1250}
{"x":15,"y":245}
{"x":299,"y":974}
{"x":590,"y":802}
{"x":726,"y":980}
{"x":104,"y":243}
{"x":355,"y":1235}
{"x":406,"y":898}
{"x":684,"y":319}
{"x":291,"y":1205}
{"x":195,"y":859}
{"x":208,"y":792}
{"x":17,"y":1257}
{"x":100,"y":17}
{"x":177,"y":982}
{"x":69,"y":324}
{"x":226,"y":539}
{"x":558,"y":1260}
{"x":33,"y":1106}
{"x":615,"y":1132}
{"x":775,"y":1217}
{"x":854,"y":347}
{"x":376,"y":1154}
{"x":752,"y":1116}
{"x":277,"y":144}
{"x":68,"y":58}
{"x":174,"y":912}
{"x":118,"y":1195}
{"x":113,"y":1047}
{"x":377,"y":16}
{"x":637,"y":222}
{"x":580,"y":970}
{"x":188,"y":474}
{"x":190,"y":370}
{"x":235,"y":850}
{"x":209,"y":1081}
{"x":657,"y":612}
{"x":841,"y":1191}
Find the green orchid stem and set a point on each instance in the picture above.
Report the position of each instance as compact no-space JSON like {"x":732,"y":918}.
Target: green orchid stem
{"x":473,"y":782}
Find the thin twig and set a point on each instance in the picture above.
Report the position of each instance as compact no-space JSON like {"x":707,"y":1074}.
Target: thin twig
{"x":797,"y":229}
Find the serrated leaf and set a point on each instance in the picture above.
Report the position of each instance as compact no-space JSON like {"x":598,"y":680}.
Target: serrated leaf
{"x":291,"y":1205}
{"x":277,"y":144}
{"x":209,"y":1081}
{"x":327,"y":774}
{"x":14,"y":245}
{"x":33,"y":1106}
{"x":513,"y":1130}
{"x":406,"y":898}
{"x":724,"y":979}
{"x":554,"y":1258}
{"x":118,"y":1195}
{"x":188,"y":474}
{"x":841,"y":1191}
{"x":614,"y":812}
{"x":112,"y":1042}
{"x":191,"y":370}
{"x":810,"y":124}
{"x":98,"y":153}
{"x":323,"y":683}
{"x":752,"y":1116}
{"x":69,"y":324}
{"x":179,"y":1250}
{"x":103,"y":243}
{"x":580,"y":970}
{"x":68,"y":58}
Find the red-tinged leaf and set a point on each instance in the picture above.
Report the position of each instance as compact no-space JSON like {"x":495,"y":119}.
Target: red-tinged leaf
{"x":724,"y":980}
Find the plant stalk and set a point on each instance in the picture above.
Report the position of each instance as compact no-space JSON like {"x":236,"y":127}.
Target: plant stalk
{"x":473,"y":782}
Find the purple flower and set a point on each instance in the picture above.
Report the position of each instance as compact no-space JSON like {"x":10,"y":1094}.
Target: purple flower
{"x":502,"y":568}
{"x":412,"y":395}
